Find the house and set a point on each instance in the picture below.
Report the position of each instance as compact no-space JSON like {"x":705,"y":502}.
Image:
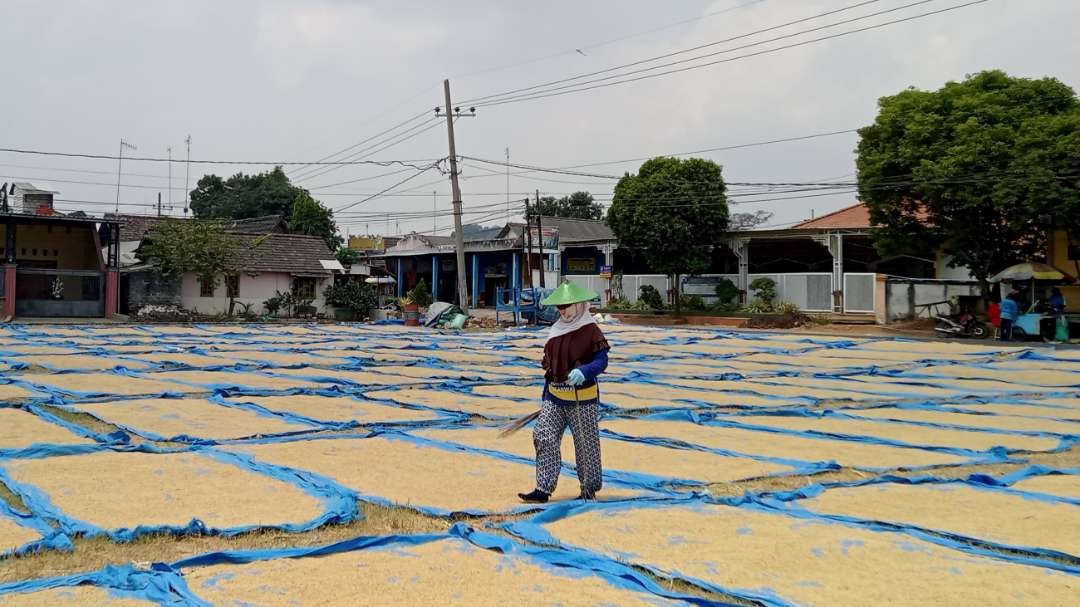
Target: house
{"x":273,"y":260}
{"x":55,"y":265}
{"x":271,"y":263}
{"x":1064,"y":253}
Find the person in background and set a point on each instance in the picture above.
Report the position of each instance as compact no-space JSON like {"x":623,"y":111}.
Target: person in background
{"x":1056,"y":302}
{"x":993,"y":312}
{"x":1010,"y":311}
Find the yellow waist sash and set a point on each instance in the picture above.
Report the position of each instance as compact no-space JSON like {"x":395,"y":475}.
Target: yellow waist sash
{"x":569,"y":395}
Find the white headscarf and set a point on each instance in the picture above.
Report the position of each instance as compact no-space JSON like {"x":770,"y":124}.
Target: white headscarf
{"x":581,"y":318}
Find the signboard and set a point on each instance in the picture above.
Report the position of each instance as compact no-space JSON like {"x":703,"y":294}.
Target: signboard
{"x":366,"y":243}
{"x":584,"y":265}
{"x":549,"y":238}
{"x":605,"y":271}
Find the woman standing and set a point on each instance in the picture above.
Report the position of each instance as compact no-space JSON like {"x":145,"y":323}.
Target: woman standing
{"x":574,"y":355}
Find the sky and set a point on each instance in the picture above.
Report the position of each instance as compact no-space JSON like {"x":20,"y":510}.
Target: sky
{"x":299,"y":81}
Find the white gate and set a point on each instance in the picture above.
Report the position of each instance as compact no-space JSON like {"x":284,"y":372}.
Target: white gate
{"x":859,"y":291}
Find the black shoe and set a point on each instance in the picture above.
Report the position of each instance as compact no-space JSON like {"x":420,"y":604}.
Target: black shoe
{"x":535,"y":496}
{"x":587,"y":495}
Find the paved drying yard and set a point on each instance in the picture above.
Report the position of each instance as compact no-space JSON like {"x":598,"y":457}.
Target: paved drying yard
{"x":295,"y":465}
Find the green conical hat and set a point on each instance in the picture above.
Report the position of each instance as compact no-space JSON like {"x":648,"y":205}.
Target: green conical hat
{"x":568,"y":293}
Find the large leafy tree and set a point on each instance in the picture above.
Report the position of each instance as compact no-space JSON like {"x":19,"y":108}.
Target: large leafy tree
{"x":672,"y":211}
{"x":242,"y":196}
{"x":579,"y":205}
{"x":312,"y":218}
{"x":979,"y":169}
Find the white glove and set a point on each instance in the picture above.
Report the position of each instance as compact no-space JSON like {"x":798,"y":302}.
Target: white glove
{"x":576,"y":378}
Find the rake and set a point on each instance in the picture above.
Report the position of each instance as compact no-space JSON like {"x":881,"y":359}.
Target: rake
{"x":518,"y":424}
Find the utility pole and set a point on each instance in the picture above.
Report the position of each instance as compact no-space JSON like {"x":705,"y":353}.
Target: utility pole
{"x":170,"y":179}
{"x":540,"y":237}
{"x":159,"y":204}
{"x":459,"y":235}
{"x":528,"y":240}
{"x":434,"y":212}
{"x":119,"y":167}
{"x":187,"y":174}
{"x":507,"y":185}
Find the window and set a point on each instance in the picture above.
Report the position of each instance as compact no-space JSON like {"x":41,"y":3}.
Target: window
{"x":304,"y":288}
{"x":232,"y":286}
{"x":206,"y":288}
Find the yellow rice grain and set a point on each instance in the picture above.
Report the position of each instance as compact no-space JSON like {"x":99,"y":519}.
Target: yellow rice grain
{"x":447,"y":572}
{"x":169,"y":417}
{"x":418,"y":475}
{"x":846,"y":453}
{"x":984,"y":514}
{"x":19,"y":429}
{"x":808,"y":562}
{"x":162,"y":489}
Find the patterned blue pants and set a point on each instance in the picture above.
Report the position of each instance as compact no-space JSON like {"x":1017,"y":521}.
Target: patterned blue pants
{"x":547,"y":438}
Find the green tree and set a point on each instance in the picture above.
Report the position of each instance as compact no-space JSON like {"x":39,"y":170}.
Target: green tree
{"x":347,"y":256}
{"x":242,"y":196}
{"x":748,"y":221}
{"x":673,"y":211}
{"x":978,"y":169}
{"x":310,"y":217}
{"x":203,"y":248}
{"x":579,"y":205}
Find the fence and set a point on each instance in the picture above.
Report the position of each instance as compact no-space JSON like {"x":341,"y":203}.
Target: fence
{"x":43,"y":292}
{"x":810,"y":291}
{"x":859,"y":293}
{"x":907,"y":298}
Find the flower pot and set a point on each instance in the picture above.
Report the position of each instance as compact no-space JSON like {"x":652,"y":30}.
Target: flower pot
{"x":412,"y":315}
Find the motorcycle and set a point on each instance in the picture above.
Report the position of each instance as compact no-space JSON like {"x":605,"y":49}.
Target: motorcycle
{"x":961,"y":325}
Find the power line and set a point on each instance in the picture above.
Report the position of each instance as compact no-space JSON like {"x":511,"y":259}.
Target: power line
{"x":377,"y":194}
{"x":372,"y":177}
{"x":84,"y":171}
{"x":610,"y":41}
{"x":555,"y":92}
{"x":376,"y":148}
{"x":476,"y":100}
{"x":383,"y":163}
{"x":303,"y":168}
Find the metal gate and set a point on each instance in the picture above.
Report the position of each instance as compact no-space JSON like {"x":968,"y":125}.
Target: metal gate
{"x":859,"y":290}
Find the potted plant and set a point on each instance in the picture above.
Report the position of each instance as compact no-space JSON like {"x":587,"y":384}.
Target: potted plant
{"x":352,"y":300}
{"x":411,"y":311}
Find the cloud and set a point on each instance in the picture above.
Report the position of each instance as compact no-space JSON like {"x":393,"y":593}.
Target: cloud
{"x":300,"y":42}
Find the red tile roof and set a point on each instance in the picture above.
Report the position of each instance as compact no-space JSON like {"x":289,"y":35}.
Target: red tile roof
{"x":854,"y":217}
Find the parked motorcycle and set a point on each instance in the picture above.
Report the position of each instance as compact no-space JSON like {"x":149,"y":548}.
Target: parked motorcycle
{"x":961,"y":325}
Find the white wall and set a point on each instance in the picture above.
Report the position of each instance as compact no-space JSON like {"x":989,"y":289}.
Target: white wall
{"x":253,"y":289}
{"x":944,"y":272}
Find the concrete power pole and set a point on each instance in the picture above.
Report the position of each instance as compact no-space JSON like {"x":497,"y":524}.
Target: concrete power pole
{"x":540,"y":237}
{"x":459,"y":235}
{"x":187,"y":174}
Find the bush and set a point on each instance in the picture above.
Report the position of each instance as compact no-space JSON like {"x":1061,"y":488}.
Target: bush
{"x":758,"y":307}
{"x":354,"y":295}
{"x":618,"y":303}
{"x":421,"y":295}
{"x":726,"y":292}
{"x":692,"y":302}
{"x":764,"y":290}
{"x":786,"y":307}
{"x":724,"y":308}
{"x":247,"y":311}
{"x":651,"y":297}
{"x":272,"y":305}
